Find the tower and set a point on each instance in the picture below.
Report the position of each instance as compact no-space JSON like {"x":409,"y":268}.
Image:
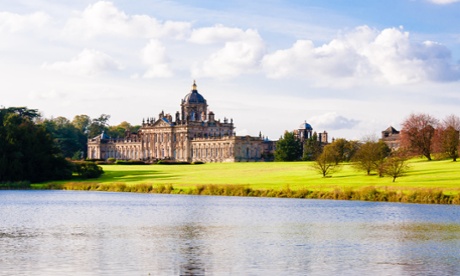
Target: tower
{"x":193,"y":105}
{"x":304,"y":132}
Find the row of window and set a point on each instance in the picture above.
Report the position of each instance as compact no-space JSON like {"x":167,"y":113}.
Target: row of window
{"x":198,"y":152}
{"x":168,"y":137}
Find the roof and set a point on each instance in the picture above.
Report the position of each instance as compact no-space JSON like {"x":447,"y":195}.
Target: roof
{"x":102,"y":136}
{"x":391,"y":130}
{"x":166,"y":121}
{"x":305,"y":125}
{"x":194,"y":97}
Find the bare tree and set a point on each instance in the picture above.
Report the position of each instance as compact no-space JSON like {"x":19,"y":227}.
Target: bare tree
{"x":417,"y":133}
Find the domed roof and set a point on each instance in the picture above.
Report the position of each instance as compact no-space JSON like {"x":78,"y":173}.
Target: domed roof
{"x":194,"y":97}
{"x":305,"y":125}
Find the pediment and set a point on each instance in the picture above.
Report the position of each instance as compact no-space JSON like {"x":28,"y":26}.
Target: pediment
{"x":162,"y":123}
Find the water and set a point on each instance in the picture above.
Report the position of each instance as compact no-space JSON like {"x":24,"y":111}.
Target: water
{"x":96,"y":233}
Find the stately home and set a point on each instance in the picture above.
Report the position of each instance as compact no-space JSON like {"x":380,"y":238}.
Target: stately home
{"x":191,"y":135}
{"x":391,"y":137}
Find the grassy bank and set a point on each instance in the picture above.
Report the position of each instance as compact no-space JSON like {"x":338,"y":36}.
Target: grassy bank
{"x":426,"y":182}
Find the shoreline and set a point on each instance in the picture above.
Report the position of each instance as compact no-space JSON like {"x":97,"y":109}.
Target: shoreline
{"x":427,"y":182}
{"x":370,"y":193}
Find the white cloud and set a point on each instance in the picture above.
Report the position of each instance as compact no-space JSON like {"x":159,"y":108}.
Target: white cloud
{"x":104,"y":18}
{"x":218,"y":34}
{"x":154,"y":56}
{"x":13,"y":22}
{"x":443,"y":2}
{"x":340,"y":58}
{"x":364,"y":54}
{"x":46,"y":95}
{"x":89,"y":62}
{"x":242,"y":132}
{"x":332,"y":121}
{"x":241,"y":53}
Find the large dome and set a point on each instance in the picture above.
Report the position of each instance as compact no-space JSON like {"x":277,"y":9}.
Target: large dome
{"x":194,"y":97}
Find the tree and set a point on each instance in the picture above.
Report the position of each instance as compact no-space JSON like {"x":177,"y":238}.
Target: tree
{"x":370,"y":156}
{"x":82,"y":123}
{"x":417,"y":133}
{"x":396,"y":165}
{"x":312,"y":148}
{"x":98,"y":125}
{"x":447,"y":137}
{"x":119,"y":130}
{"x":69,"y":139}
{"x":343,"y":150}
{"x":27,"y":149}
{"x":22,"y":112}
{"x":288,"y":148}
{"x":351,"y":149}
{"x":326,"y":164}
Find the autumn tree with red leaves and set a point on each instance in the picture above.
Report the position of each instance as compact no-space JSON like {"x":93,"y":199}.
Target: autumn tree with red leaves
{"x":417,"y":134}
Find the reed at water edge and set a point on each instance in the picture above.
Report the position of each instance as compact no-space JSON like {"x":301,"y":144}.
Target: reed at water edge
{"x":424,"y":196}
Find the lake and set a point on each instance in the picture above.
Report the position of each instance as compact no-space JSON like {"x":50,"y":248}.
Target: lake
{"x":99,"y":233}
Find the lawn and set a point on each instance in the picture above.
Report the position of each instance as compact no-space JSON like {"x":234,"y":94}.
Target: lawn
{"x":422,"y":174}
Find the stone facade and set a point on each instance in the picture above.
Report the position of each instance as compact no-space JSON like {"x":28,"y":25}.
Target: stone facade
{"x":192,"y":135}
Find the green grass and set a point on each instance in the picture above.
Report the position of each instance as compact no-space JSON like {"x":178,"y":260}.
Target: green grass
{"x":423,"y":176}
{"x":443,"y":175}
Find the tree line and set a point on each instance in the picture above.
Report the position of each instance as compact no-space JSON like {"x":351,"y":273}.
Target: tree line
{"x":35,"y":149}
{"x":421,"y":135}
{"x":71,"y":136}
{"x":27,"y":150}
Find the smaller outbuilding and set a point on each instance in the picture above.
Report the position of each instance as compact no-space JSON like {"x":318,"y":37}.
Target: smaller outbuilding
{"x":392,"y":138}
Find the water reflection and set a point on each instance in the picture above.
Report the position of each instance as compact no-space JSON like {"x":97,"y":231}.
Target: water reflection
{"x":56,"y":233}
{"x":191,"y":250}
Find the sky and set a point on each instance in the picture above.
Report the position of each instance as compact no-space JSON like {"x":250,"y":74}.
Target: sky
{"x":351,"y":68}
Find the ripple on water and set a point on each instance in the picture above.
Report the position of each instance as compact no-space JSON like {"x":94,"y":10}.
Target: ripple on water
{"x":68,"y":232}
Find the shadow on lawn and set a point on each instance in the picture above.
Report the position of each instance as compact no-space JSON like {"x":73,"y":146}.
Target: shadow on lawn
{"x":133,"y":176}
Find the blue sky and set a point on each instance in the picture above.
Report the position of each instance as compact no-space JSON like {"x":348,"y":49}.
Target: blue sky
{"x":351,"y":68}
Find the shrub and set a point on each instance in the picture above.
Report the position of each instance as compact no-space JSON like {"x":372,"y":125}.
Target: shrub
{"x":87,"y":169}
{"x":93,"y":159}
{"x":111,"y":160}
{"x":20,"y":185}
{"x":171,"y":162}
{"x":130,"y":162}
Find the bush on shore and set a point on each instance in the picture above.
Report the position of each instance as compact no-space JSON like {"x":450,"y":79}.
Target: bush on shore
{"x":19,"y":185}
